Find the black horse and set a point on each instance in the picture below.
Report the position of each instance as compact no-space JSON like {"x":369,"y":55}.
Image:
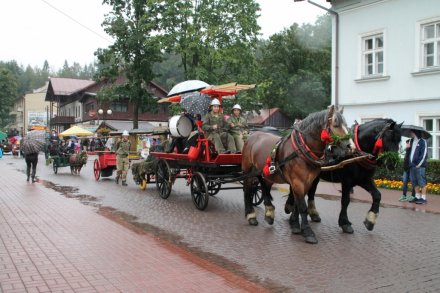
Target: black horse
{"x":374,"y":137}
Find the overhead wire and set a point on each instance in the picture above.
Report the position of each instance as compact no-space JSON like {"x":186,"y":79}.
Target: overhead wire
{"x":76,"y":21}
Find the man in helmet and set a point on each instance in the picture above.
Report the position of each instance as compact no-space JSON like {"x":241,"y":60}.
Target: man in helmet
{"x":122,"y":152}
{"x":216,"y":128}
{"x":238,"y":127}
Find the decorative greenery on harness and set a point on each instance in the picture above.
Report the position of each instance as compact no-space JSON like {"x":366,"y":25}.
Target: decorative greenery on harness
{"x":378,"y":152}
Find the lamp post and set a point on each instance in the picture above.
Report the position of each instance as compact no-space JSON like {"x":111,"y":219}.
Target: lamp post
{"x":101,"y":112}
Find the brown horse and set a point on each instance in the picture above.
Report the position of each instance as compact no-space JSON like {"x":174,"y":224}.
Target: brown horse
{"x":297,"y":160}
{"x":76,"y":162}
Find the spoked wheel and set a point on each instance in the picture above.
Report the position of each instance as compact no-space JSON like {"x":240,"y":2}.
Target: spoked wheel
{"x":163,"y":179}
{"x":213,"y":187}
{"x":257,"y":192}
{"x":199,"y":191}
{"x":97,"y":169}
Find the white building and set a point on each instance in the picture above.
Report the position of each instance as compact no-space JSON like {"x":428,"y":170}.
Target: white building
{"x":388,"y":60}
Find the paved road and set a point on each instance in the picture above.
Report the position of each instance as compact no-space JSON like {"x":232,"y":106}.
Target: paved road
{"x":401,"y":255}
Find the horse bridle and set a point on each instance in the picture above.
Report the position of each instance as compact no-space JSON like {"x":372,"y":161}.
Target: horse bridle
{"x":378,"y":144}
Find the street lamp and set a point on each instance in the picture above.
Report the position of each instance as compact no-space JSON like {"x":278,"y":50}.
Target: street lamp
{"x":101,"y":112}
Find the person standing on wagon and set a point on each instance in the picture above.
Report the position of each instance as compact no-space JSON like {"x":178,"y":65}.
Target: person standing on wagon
{"x":238,"y":127}
{"x":122,"y":152}
{"x":216,"y":128}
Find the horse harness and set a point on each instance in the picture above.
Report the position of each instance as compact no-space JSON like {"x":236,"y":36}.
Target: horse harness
{"x":378,"y":146}
{"x":300,"y":148}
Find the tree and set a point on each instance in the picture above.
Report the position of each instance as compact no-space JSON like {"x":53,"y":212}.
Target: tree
{"x":296,"y":69}
{"x":8,"y":94}
{"x":215,"y":39}
{"x":136,"y":48}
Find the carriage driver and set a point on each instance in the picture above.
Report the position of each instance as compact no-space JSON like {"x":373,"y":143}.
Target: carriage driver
{"x":238,"y":127}
{"x":216,"y":128}
{"x":122,"y":152}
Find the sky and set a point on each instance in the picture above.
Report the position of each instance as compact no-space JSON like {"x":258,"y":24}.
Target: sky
{"x":32,"y":31}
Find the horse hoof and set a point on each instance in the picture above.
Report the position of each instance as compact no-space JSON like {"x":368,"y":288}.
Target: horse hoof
{"x":368,"y":225}
{"x":253,"y":222}
{"x":347,"y":229}
{"x":315,"y":218}
{"x":311,"y":239}
{"x":295,"y":228}
{"x":269,"y":220}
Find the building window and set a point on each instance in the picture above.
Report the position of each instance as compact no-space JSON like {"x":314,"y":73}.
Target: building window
{"x":90,"y":106}
{"x":119,"y":107}
{"x":430,"y":44}
{"x":432,"y":125}
{"x":372,"y":55}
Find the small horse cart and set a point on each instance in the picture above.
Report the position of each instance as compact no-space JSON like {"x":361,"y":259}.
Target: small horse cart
{"x":205,"y":171}
{"x":74,"y":161}
{"x":104,"y":165}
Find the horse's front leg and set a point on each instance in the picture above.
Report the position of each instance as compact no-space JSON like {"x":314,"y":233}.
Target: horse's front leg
{"x":269,"y":215}
{"x":343,"y":221}
{"x":250,"y":214}
{"x":311,"y":207}
{"x":373,"y":213}
{"x":308,"y":233}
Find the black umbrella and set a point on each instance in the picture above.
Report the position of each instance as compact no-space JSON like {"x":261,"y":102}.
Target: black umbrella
{"x":33,"y":142}
{"x":195,"y":103}
{"x":406,"y":131}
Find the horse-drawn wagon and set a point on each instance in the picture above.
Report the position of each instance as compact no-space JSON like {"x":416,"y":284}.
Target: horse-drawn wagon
{"x":74,"y":161}
{"x":205,"y":171}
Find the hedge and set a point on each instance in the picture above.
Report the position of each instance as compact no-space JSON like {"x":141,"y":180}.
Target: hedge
{"x":432,"y":172}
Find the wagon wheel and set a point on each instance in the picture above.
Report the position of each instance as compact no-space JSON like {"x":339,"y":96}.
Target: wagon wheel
{"x":213,"y":187}
{"x":256,"y":191}
{"x":55,"y":167}
{"x":143,"y":184}
{"x":97,"y":169}
{"x":199,"y":191}
{"x":163,"y":179}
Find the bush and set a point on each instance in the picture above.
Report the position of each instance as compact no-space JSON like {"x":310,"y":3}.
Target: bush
{"x":432,"y":172}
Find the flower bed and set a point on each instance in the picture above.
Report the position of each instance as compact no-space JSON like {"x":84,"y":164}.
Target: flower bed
{"x":432,"y":188}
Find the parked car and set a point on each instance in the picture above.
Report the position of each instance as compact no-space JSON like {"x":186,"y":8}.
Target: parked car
{"x":6,"y":146}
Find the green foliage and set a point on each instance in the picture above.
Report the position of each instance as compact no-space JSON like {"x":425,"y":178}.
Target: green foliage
{"x":8,"y":93}
{"x":214,"y":39}
{"x":432,"y":172}
{"x":133,"y":26}
{"x":296,"y":69}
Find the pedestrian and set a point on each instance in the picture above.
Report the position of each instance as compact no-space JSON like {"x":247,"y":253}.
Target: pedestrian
{"x":92,"y":145}
{"x":216,"y":128}
{"x":122,"y":152}
{"x":417,"y":163}
{"x":406,"y":174}
{"x":31,"y":165}
{"x":238,"y":127}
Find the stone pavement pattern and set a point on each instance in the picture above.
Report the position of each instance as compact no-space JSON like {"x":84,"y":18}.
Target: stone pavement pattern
{"x":52,"y":244}
{"x":400,"y":255}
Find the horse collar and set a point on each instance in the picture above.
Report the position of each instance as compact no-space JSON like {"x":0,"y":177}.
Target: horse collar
{"x":298,"y":143}
{"x":358,"y":147}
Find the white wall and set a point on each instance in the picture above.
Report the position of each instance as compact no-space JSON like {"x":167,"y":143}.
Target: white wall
{"x":392,"y":97}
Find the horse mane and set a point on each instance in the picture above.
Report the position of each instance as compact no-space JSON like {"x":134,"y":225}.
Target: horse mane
{"x":317,"y":121}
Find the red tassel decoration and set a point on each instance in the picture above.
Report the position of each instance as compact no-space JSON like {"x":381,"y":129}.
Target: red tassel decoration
{"x":325,"y":136}
{"x":199,"y":123}
{"x":266,"y":171}
{"x":378,"y":146}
